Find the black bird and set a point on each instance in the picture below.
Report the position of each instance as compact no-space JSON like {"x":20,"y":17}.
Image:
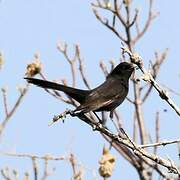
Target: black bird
{"x":105,"y":97}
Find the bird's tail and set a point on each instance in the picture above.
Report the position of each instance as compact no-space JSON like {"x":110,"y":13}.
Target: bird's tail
{"x":77,"y":94}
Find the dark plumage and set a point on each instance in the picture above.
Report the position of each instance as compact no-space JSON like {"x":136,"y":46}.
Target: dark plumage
{"x":105,"y":97}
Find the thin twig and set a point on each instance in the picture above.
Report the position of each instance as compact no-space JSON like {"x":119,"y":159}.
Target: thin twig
{"x":106,"y":23}
{"x":155,"y":69}
{"x":171,"y":90}
{"x":11,"y":112}
{"x":55,"y":93}
{"x":103,"y":68}
{"x":35,"y":168}
{"x":77,"y":173}
{"x":81,"y":67}
{"x":151,"y":16}
{"x":134,"y":128}
{"x":46,"y":157}
{"x":118,"y":14}
{"x":4,"y":93}
{"x":5,"y":173}
{"x":163,"y":143}
{"x":157,"y":131}
{"x":134,"y":19}
{"x":63,"y":49}
{"x":46,"y":172}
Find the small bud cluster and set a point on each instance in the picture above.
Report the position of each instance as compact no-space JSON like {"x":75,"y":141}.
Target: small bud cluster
{"x":107,"y":163}
{"x":34,"y":67}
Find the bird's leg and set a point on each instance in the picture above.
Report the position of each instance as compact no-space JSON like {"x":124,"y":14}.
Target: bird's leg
{"x":98,"y":117}
{"x":104,"y":118}
{"x":111,"y":114}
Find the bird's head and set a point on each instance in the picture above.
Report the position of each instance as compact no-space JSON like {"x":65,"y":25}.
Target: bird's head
{"x":123,"y":69}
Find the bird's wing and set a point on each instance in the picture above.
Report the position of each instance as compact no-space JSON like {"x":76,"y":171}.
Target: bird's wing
{"x":103,"y":96}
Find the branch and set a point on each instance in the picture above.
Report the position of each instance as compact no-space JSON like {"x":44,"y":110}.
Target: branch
{"x":151,"y":16}
{"x":157,"y":131}
{"x":5,"y":173}
{"x":106,"y":23}
{"x":114,"y":10}
{"x":11,"y":112}
{"x":136,"y":59}
{"x":81,"y":67}
{"x":55,"y":93}
{"x":4,"y":93}
{"x":46,"y":157}
{"x":155,"y":70}
{"x":77,"y":173}
{"x":63,"y":49}
{"x":163,"y":143}
{"x":46,"y":171}
{"x":125,"y":140}
{"x":35,"y":168}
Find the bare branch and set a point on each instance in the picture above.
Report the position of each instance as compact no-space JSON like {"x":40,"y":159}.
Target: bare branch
{"x":81,"y":67}
{"x":139,"y":113}
{"x":134,"y":19}
{"x":106,"y":23}
{"x":125,"y":141}
{"x":77,"y":172}
{"x":124,"y":151}
{"x":63,"y":49}
{"x":151,"y":16}
{"x":117,"y":12}
{"x":55,"y":93}
{"x":16,"y":174}
{"x":4,"y":93}
{"x":103,"y":68}
{"x":134,"y":128}
{"x":170,"y":90}
{"x":157,"y":131}
{"x":163,"y":143}
{"x":135,"y":58}
{"x":5,"y":173}
{"x":35,"y":168}
{"x":46,"y":172}
{"x":30,"y":156}
{"x":114,"y":10}
{"x":11,"y":112}
{"x":155,"y":69}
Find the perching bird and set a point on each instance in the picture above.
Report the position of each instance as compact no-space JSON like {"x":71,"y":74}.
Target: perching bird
{"x":105,"y":97}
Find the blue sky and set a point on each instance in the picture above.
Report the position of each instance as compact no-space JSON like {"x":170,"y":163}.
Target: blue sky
{"x":36,"y":26}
